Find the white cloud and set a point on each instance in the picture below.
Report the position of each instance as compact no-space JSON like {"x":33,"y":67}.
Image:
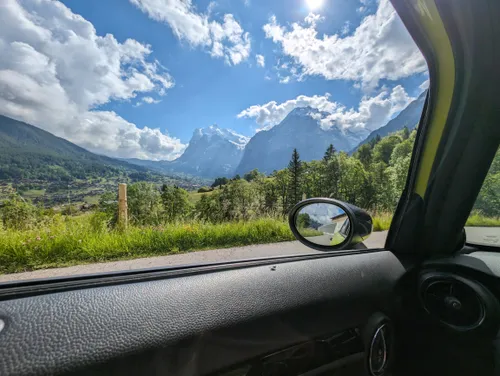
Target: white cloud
{"x":225,"y":39}
{"x":424,"y":85}
{"x":261,"y":62}
{"x":120,"y":138}
{"x":55,"y":71}
{"x":150,"y":100}
{"x":379,"y":48}
{"x":364,"y":6}
{"x":211,"y":6}
{"x":147,"y":100}
{"x":346,"y":28}
{"x":272,"y":113}
{"x":285,"y":80}
{"x":313,"y":19}
{"x":372,"y":112}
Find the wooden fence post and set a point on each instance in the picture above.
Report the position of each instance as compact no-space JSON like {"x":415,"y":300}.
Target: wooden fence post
{"x":122,"y":205}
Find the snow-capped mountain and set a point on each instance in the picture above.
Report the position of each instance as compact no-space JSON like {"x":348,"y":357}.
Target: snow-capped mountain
{"x":211,"y":152}
{"x":271,"y":149}
{"x":217,"y":134}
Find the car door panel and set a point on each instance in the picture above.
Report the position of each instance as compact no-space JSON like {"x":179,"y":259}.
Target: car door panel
{"x":272,"y":306}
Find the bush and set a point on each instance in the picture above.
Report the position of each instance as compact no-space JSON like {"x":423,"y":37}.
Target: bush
{"x":70,"y":210}
{"x":205,"y":190}
{"x":144,"y":204}
{"x":100,"y":222}
{"x":108,"y":204}
{"x":18,"y":214}
{"x":176,"y":203}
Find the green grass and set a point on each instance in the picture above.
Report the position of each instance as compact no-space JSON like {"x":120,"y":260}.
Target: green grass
{"x":91,"y":199}
{"x":381,"y":221}
{"x":33,"y":193}
{"x":63,"y":241}
{"x":194,"y":197}
{"x":477,"y":219}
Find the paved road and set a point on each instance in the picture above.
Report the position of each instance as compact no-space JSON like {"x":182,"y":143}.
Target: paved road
{"x":489,"y":236}
{"x":376,"y":240}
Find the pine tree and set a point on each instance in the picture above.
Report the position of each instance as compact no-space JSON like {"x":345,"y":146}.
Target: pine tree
{"x":364,"y":154}
{"x":282,"y":178}
{"x":295,"y":172}
{"x":374,"y":141}
{"x":330,"y":173}
{"x":330,"y":152}
{"x":405,"y":133}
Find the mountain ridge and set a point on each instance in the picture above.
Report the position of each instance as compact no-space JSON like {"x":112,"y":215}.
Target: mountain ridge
{"x":409,"y":117}
{"x":270,"y":150}
{"x":31,"y":153}
{"x":27,"y":149}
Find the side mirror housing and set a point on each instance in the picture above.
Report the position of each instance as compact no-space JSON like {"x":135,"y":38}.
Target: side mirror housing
{"x":326,"y":224}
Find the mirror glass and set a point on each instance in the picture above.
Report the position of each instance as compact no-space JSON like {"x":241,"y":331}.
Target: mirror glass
{"x":323,"y":223}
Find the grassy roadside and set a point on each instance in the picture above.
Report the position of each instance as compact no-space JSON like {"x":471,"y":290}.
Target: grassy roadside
{"x":64,"y":241}
{"x":78,"y":240}
{"x":477,"y":219}
{"x":382,"y":221}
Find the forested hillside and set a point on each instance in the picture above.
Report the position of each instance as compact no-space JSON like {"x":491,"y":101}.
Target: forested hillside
{"x":28,"y":152}
{"x":51,"y":170}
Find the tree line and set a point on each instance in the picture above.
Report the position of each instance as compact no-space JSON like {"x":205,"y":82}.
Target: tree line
{"x":373,"y":178}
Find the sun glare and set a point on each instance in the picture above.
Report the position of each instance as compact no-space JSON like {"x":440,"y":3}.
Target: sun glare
{"x":314,"y":4}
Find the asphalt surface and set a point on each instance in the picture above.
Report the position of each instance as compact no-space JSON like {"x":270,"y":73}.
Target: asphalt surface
{"x":489,"y":236}
{"x":376,"y":240}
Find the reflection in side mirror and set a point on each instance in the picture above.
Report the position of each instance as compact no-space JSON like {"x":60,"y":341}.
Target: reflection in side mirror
{"x":327,"y":224}
{"x":323,"y":224}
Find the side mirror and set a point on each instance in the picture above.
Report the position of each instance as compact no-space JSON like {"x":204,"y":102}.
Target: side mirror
{"x":326,"y":224}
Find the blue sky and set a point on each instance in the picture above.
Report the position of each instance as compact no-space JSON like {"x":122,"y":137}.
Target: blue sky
{"x":135,"y":78}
